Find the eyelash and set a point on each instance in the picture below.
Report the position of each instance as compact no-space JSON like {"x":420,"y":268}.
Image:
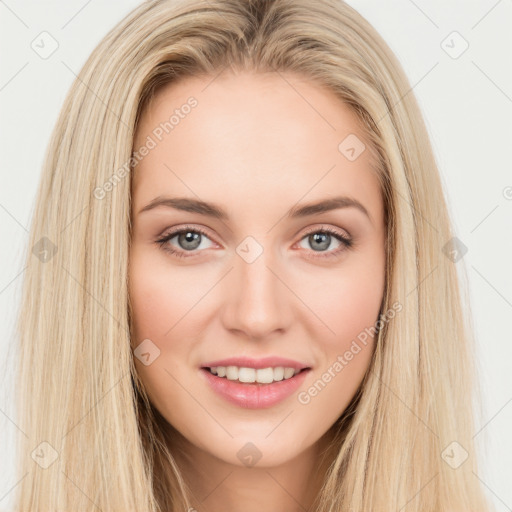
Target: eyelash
{"x":346,"y":242}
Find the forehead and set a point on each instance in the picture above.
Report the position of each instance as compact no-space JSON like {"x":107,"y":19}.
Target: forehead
{"x":251,"y":138}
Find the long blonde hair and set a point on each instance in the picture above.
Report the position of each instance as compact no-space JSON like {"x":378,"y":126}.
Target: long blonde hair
{"x":93,"y":441}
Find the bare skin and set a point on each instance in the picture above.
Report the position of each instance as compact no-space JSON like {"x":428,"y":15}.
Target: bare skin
{"x":255,"y":145}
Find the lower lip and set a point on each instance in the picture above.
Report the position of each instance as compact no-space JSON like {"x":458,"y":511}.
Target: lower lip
{"x":254,"y":395}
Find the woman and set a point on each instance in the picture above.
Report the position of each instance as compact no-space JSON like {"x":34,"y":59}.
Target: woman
{"x":191,"y":345}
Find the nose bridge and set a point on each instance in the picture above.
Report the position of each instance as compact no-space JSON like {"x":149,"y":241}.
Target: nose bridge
{"x":258,"y":303}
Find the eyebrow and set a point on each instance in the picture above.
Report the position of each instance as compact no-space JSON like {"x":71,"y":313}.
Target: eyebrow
{"x":212,"y":210}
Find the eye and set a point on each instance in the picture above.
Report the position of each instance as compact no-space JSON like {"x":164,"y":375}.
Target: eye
{"x":321,"y":239}
{"x":188,"y":238}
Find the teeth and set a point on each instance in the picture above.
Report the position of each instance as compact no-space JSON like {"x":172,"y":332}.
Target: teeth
{"x":261,"y":375}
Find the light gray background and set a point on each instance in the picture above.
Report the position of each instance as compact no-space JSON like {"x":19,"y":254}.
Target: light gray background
{"x":467,"y":104}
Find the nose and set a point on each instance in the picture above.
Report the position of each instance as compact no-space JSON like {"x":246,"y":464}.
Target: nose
{"x":258,"y":303}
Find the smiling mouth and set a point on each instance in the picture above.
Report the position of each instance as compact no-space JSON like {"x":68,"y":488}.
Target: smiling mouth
{"x":252,"y":376}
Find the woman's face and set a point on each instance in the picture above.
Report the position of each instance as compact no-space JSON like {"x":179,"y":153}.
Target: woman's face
{"x":235,"y":266}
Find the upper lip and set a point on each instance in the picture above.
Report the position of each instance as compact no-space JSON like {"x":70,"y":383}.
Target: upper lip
{"x":265,"y":362}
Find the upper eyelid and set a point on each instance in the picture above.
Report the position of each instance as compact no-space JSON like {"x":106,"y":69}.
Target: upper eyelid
{"x":327,"y":229}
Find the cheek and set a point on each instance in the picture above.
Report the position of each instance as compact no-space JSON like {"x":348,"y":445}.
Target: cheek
{"x":150,"y":307}
{"x":349,"y":304}
{"x":160,"y":296}
{"x":158,"y":320}
{"x":349,"y":301}
{"x":350,"y":308}
{"x":353,"y":308}
{"x":169,"y":310}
